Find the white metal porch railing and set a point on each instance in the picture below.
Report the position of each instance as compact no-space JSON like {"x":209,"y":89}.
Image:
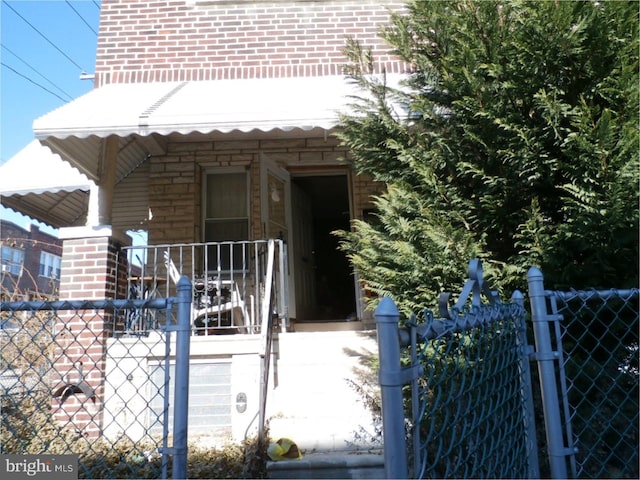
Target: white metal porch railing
{"x":229,"y":283}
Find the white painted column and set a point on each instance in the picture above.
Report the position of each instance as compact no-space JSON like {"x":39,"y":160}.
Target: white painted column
{"x":101,"y":195}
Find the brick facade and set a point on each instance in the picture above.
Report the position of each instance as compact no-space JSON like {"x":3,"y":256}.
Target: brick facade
{"x":89,"y":270}
{"x":175,"y":192}
{"x":193,"y":40}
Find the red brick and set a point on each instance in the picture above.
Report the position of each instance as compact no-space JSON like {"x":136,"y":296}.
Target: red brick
{"x":228,"y":41}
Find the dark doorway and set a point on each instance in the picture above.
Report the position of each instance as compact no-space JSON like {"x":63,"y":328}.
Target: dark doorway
{"x":325,"y":289}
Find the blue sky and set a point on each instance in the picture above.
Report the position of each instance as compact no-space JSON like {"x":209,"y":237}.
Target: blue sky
{"x":45,"y":47}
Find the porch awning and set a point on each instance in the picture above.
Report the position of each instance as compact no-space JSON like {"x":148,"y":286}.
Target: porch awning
{"x":40,"y":184}
{"x":143,"y":114}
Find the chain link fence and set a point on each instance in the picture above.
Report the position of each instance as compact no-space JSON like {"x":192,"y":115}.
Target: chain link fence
{"x":95,"y":379}
{"x":595,"y":337}
{"x":75,"y":380}
{"x":457,"y":397}
{"x":470,"y":395}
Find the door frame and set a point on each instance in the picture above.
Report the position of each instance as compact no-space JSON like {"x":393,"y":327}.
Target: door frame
{"x":334,"y":170}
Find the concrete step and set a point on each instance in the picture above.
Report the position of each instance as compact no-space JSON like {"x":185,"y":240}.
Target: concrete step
{"x":318,"y":399}
{"x":343,"y":466}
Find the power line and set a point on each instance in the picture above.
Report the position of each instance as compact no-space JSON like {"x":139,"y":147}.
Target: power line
{"x":43,"y":36}
{"x":37,"y":72}
{"x":96,"y":4}
{"x":81,"y":17}
{"x":32,"y":81}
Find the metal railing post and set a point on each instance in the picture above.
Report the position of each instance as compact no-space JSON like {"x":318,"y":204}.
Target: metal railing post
{"x":265,"y":339}
{"x":181,"y":397}
{"x":546,"y":358}
{"x":395,"y":455}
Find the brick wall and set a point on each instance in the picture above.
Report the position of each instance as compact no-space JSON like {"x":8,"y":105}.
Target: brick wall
{"x":88,"y":273}
{"x":363,"y":188}
{"x":193,"y":40}
{"x":175,"y":192}
{"x":89,"y":268}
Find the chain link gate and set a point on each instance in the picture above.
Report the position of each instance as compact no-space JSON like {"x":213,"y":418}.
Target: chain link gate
{"x":470,"y":395}
{"x":76,"y":379}
{"x":587,"y":353}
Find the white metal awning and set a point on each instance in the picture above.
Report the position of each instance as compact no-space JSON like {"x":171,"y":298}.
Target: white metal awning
{"x":40,"y":184}
{"x":143,"y":114}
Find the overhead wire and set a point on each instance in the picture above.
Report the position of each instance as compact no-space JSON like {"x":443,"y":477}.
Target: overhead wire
{"x":32,"y":81}
{"x":36,"y":72}
{"x":81,"y":17}
{"x":43,"y":36}
{"x":69,"y":97}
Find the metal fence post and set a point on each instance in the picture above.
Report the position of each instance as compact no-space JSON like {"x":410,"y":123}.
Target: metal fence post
{"x":395,"y":456}
{"x":181,"y":397}
{"x":534,"y":467}
{"x":546,"y":358}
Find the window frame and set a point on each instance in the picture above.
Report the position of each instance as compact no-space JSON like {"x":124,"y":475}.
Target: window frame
{"x":55,"y":264}
{"x":206,"y":220}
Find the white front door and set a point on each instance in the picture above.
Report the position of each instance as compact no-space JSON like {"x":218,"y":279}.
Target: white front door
{"x":275,"y":211}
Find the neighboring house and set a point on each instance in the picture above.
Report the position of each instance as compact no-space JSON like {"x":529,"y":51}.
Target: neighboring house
{"x":30,"y":262}
{"x":215,"y":121}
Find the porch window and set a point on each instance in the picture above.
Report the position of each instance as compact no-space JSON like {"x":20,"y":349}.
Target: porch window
{"x":12,"y":260}
{"x":226,"y":218}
